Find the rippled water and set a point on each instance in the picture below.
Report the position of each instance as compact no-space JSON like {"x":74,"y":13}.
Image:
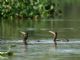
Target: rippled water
{"x":44,"y":50}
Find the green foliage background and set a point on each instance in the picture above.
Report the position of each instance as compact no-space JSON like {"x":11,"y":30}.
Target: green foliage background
{"x":35,"y":8}
{"x":32,"y":8}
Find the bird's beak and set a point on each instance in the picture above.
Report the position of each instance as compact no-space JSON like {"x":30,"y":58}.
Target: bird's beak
{"x":22,"y":32}
{"x":52,"y":32}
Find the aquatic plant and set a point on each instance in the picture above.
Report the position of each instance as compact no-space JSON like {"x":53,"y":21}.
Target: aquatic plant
{"x":8,"y":52}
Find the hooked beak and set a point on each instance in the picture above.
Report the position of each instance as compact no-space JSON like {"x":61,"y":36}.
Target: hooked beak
{"x":22,"y":32}
{"x":52,"y":32}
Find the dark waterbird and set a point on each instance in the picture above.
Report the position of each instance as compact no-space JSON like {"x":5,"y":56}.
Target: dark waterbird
{"x":25,"y":37}
{"x":54,"y":37}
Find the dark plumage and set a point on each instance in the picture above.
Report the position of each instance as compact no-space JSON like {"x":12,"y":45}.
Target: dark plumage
{"x":55,"y":37}
{"x":25,"y":37}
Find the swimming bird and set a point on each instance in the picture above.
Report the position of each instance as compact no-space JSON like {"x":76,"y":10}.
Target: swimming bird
{"x":54,"y":37}
{"x":25,"y":37}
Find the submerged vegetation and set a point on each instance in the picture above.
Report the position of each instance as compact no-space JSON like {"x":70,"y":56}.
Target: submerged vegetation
{"x":9,"y":52}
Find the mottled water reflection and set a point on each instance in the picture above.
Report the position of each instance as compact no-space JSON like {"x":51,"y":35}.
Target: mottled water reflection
{"x":44,"y":50}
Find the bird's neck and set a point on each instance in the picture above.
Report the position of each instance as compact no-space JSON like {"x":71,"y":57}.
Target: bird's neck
{"x":55,"y":36}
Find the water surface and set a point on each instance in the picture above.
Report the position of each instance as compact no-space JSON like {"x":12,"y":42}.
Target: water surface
{"x":44,"y":50}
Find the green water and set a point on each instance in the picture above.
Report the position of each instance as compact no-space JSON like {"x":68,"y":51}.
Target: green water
{"x":38,"y":30}
{"x":66,"y":28}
